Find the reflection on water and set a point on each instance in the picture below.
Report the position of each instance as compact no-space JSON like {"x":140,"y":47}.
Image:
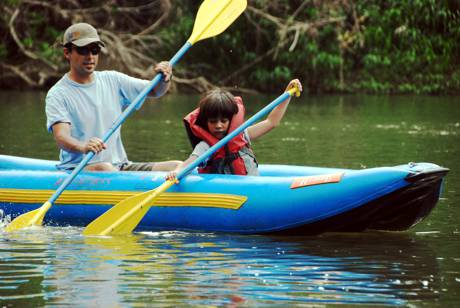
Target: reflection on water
{"x":448,"y":129}
{"x":58,"y":266}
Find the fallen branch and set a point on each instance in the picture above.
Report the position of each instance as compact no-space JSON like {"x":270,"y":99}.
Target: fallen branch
{"x":26,"y":52}
{"x":18,"y":72}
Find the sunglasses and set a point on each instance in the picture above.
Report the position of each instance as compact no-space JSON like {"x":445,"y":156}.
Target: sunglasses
{"x":85,"y":50}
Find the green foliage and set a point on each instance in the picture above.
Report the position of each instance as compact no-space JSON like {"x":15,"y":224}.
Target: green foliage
{"x":49,"y":52}
{"x":3,"y":51}
{"x":367,"y":46}
{"x":28,"y":42}
{"x":400,"y":39}
{"x":12,"y":2}
{"x":410,"y":44}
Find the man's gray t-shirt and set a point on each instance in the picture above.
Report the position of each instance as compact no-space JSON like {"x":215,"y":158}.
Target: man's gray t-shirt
{"x":91,"y":109}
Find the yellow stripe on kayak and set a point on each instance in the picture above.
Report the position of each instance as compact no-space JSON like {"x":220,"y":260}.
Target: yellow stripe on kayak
{"x":225,"y":201}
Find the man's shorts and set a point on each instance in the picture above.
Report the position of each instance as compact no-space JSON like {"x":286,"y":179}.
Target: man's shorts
{"x":137,"y":166}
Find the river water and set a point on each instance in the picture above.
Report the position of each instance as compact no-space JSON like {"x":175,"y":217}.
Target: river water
{"x":416,"y":268}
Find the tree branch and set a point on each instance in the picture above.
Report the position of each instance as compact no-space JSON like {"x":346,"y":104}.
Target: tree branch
{"x":18,"y":42}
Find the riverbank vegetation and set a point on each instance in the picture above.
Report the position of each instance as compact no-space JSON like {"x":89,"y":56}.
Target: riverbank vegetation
{"x":345,"y":46}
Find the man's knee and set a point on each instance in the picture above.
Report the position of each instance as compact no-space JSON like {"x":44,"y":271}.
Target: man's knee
{"x":101,"y":167}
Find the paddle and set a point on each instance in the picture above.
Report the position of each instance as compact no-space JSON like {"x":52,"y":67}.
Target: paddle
{"x":213,"y":18}
{"x":123,"y":217}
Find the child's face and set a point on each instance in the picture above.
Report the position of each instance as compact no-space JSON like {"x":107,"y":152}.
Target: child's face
{"x":218,"y":127}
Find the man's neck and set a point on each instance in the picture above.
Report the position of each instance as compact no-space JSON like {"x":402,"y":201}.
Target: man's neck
{"x":82,"y":79}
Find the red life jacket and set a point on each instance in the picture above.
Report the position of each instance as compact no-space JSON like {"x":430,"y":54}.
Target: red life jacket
{"x":227,"y":157}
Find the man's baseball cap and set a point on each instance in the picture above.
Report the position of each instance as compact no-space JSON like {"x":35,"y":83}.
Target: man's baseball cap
{"x":81,"y":34}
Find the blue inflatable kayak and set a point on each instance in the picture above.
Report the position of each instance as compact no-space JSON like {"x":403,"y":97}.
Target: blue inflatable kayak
{"x":293,"y":200}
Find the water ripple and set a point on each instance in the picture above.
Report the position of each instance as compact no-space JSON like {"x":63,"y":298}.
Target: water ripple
{"x":61,"y":267}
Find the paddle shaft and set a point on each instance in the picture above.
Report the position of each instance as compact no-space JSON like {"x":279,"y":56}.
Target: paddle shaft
{"x":135,"y":104}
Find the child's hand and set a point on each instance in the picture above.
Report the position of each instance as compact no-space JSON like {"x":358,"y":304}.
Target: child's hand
{"x":294,"y":83}
{"x":171,"y":176}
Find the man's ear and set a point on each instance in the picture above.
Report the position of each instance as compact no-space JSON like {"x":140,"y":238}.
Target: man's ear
{"x":67,"y":53}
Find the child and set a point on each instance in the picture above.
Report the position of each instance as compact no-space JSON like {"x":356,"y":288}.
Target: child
{"x":219,"y":113}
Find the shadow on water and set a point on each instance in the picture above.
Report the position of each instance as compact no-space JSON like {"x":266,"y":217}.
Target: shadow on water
{"x":60,"y":267}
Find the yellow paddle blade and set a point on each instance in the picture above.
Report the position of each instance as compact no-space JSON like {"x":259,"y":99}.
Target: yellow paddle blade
{"x":123,"y":217}
{"x":214,"y":16}
{"x":32,"y":218}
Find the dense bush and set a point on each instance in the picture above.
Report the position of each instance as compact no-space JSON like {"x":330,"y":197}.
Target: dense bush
{"x":333,"y":46}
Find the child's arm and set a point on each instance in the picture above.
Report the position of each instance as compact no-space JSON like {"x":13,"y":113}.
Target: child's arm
{"x":274,"y":118}
{"x":199,"y":150}
{"x":173,"y":174}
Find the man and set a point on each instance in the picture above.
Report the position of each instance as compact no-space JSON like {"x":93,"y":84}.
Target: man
{"x":82,"y":106}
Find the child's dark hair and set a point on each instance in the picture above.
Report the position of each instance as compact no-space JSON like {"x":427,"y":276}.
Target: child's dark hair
{"x":216,"y":104}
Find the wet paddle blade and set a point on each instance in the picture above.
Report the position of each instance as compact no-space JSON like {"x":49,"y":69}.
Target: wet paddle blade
{"x":214,"y":16}
{"x":105,"y":221}
{"x":123,"y":217}
{"x":32,"y":218}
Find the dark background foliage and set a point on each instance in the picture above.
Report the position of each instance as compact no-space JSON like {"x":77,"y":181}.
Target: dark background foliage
{"x":332,"y":46}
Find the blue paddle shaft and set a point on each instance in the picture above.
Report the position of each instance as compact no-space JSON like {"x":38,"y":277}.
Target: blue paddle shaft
{"x":227,"y":138}
{"x":133,"y":105}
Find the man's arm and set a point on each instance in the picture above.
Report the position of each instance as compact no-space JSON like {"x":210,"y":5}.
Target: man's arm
{"x":64,"y":140}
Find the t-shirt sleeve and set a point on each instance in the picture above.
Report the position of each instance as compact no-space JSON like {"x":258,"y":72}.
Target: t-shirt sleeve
{"x":130,"y":87}
{"x":246,"y":136}
{"x":56,"y":111}
{"x":200,"y":148}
